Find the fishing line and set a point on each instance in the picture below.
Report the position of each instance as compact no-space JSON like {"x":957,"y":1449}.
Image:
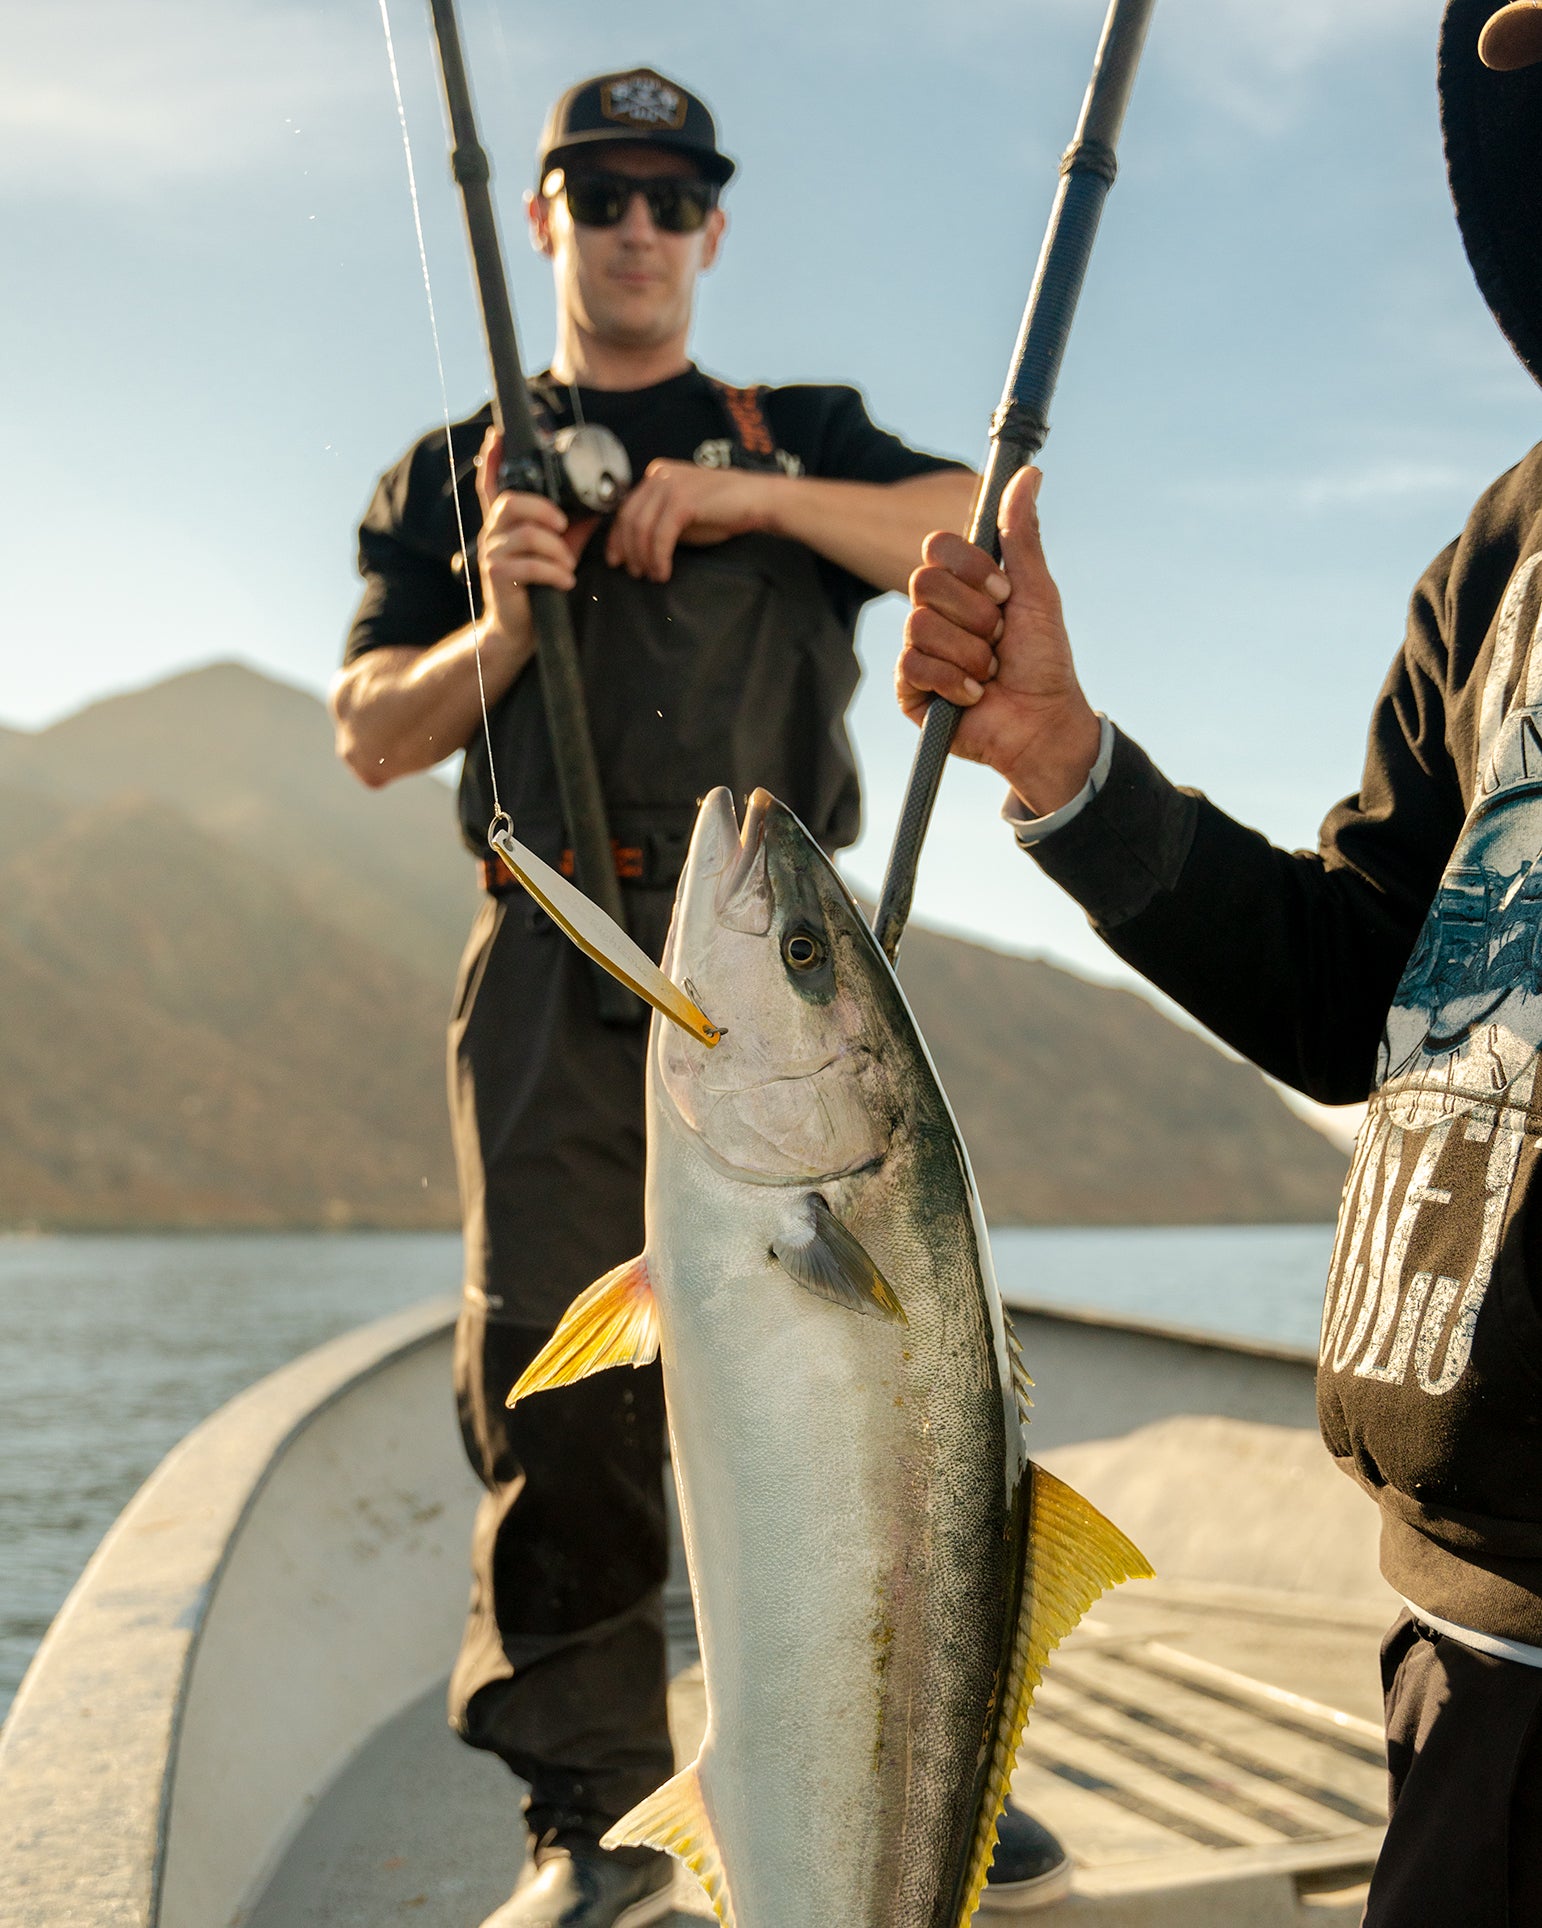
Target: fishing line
{"x":499,"y":814}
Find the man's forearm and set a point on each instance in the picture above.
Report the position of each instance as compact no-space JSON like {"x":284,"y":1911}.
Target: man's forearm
{"x":873,"y":529}
{"x":402,"y":710}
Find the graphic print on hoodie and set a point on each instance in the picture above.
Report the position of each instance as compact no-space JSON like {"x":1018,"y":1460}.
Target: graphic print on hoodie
{"x":1430,"y":1377}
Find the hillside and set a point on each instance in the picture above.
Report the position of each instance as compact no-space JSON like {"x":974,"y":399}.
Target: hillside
{"x":184,"y":1044}
{"x":250,"y":762}
{"x":225,"y":967}
{"x":1085,"y":1105}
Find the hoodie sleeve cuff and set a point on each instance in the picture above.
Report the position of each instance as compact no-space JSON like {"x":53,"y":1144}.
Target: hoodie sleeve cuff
{"x":1031,"y":830}
{"x":1117,"y":849}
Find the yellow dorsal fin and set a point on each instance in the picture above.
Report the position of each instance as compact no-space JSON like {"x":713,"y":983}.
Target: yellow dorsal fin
{"x":1072,"y":1554}
{"x":675,"y":1819}
{"x":613,"y":1323}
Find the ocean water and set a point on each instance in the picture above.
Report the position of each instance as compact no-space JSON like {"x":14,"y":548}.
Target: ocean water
{"x":1249,"y":1281}
{"x":111,"y":1348}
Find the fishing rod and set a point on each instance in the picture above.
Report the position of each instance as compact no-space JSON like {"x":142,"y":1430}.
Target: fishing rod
{"x":1021,"y":423}
{"x":541,"y":470}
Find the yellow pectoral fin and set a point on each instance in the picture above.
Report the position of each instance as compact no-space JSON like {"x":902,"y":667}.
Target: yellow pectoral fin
{"x":614,"y":1323}
{"x":676,"y":1820}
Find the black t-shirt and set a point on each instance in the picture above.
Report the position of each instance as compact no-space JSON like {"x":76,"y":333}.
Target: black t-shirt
{"x":409,"y":542}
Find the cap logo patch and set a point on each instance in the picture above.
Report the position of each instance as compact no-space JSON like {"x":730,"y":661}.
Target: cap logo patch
{"x":642,"y":100}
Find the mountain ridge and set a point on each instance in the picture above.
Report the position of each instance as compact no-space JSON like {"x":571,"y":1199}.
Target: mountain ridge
{"x":211,"y":1074}
{"x":227,"y":966}
{"x":249,"y":759}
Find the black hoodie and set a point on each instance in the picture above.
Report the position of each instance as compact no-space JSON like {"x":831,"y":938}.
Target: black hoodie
{"x":1403,"y":961}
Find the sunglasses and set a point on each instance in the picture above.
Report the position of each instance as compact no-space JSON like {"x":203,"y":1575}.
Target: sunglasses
{"x":601,"y":200}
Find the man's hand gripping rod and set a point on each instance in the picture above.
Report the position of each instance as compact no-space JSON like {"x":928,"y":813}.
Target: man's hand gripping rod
{"x":1021,"y":423}
{"x":525,"y":467}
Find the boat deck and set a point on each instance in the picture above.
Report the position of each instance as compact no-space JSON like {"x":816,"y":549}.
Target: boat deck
{"x":1209,"y":1757}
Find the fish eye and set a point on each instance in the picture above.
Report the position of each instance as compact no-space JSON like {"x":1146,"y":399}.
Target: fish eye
{"x":802,"y":951}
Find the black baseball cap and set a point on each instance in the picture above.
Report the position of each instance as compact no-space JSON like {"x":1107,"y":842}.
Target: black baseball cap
{"x":634,"y":105}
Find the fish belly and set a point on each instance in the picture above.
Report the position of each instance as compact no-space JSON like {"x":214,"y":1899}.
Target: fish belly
{"x":842,"y":1510}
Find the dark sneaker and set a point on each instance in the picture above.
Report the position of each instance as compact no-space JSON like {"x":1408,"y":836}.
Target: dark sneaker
{"x":1030,"y":1870}
{"x":588,"y":1888}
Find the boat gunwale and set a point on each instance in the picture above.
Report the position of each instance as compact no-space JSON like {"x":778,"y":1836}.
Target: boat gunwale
{"x":264,"y":1421}
{"x":1279,"y":1351}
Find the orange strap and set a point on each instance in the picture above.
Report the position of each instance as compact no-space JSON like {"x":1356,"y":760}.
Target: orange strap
{"x":497,"y":878}
{"x":748,"y":418}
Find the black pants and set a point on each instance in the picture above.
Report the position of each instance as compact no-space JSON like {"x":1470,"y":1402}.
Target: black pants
{"x":562,"y":1667}
{"x":1464,"y":1755}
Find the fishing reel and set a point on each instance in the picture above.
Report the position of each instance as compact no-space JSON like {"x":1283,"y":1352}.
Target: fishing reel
{"x":590,"y":469}
{"x":584,"y":469}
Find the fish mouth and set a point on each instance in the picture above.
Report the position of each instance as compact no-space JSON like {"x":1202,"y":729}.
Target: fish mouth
{"x":752,"y":838}
{"x":794,"y":1074}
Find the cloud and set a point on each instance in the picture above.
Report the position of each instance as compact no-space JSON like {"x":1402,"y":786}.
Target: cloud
{"x":1253,"y":60}
{"x":1392,"y":484}
{"x":1256,"y":61}
{"x":1389,"y":482}
{"x":109,"y":100}
{"x":1290,"y":36}
{"x":103,"y":98}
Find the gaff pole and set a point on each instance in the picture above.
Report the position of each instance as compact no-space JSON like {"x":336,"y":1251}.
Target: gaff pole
{"x":1021,"y":423}
{"x":525,"y":467}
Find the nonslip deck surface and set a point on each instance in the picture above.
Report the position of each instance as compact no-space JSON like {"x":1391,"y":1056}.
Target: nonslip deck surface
{"x":1156,"y":1751}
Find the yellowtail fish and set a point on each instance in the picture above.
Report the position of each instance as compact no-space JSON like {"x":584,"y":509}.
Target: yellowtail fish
{"x":880,"y":1571}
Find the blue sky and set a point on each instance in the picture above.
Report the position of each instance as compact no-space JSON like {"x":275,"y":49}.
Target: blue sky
{"x":1282,"y":394}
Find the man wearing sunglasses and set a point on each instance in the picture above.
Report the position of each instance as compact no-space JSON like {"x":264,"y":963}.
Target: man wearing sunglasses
{"x":715,"y":613}
{"x":1401,"y":961}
